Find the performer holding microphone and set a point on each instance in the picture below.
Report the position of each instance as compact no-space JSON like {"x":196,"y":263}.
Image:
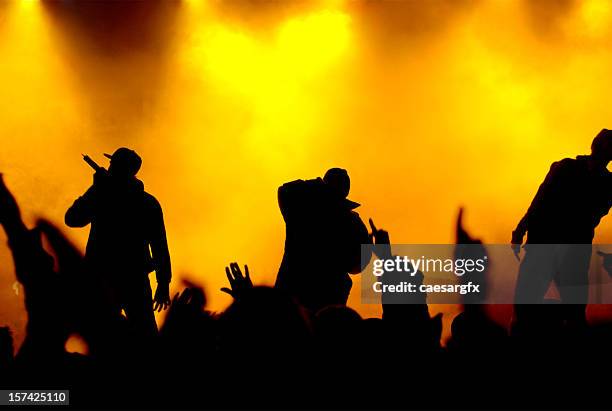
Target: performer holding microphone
{"x":127,"y":239}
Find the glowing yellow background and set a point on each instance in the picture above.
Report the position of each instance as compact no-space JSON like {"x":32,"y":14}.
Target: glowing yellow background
{"x":429,"y":105}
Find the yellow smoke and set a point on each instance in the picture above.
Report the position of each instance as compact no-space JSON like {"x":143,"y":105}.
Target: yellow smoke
{"x":429,"y":106}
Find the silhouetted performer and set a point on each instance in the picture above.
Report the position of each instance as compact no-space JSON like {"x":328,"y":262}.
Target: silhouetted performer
{"x":127,"y":239}
{"x":560,"y":226}
{"x":323,"y":240}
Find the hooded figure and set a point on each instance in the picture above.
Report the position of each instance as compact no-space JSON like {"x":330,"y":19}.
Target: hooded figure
{"x":323,"y":240}
{"x":127,"y":239}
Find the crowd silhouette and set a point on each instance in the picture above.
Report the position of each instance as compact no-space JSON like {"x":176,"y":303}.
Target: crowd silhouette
{"x":297,"y":344}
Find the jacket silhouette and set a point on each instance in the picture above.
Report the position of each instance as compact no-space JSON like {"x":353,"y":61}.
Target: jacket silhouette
{"x":127,"y":239}
{"x":323,"y":240}
{"x":568,"y":205}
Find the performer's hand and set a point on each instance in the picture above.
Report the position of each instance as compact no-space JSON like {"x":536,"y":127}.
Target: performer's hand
{"x":161,"y":301}
{"x":239,"y":283}
{"x":516,"y":249}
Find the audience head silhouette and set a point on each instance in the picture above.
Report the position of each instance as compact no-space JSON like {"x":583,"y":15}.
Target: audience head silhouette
{"x":124,"y":162}
{"x":602,"y":145}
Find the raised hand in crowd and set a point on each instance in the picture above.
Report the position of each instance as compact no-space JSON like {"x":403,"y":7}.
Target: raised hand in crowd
{"x":10,"y":217}
{"x":381,"y":241}
{"x":191,"y":299}
{"x":239,"y":283}
{"x":462,"y":236}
